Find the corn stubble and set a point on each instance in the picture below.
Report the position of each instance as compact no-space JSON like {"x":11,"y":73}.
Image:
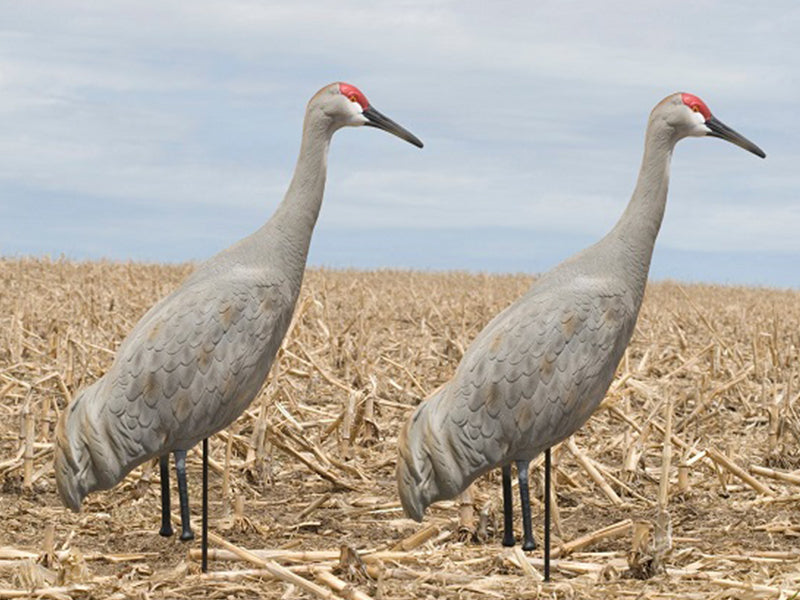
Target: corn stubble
{"x":303,"y":500}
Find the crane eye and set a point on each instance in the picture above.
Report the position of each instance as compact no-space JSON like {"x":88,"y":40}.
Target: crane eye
{"x":353,"y":98}
{"x":695,"y":108}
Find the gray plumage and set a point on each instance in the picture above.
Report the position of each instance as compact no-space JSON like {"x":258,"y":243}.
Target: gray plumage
{"x":198,"y":357}
{"x":541,"y":367}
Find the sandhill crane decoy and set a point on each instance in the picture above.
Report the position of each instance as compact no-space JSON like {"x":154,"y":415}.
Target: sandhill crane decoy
{"x":197,"y":358}
{"x":540,"y":368}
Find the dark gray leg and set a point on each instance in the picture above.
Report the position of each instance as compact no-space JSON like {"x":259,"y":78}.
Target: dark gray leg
{"x":547,"y":515}
{"x":204,"y":533}
{"x":524,"y":495}
{"x":166,"y":520}
{"x":183,"y":495}
{"x":508,"y":507}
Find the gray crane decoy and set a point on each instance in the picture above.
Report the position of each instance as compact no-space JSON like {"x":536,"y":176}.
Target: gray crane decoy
{"x":197,"y":358}
{"x":541,"y":367}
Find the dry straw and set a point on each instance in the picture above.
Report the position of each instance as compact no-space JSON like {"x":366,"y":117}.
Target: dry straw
{"x":303,"y":502}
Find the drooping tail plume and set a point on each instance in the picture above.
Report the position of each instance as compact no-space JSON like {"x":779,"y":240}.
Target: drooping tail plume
{"x":434,"y":462}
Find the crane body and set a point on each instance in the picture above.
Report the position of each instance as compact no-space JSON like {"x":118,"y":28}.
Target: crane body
{"x":199,"y":356}
{"x":539,"y":369}
{"x":531,"y":378}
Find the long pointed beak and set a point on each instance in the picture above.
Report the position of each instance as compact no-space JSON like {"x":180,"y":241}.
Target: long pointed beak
{"x":376,"y":119}
{"x":722,"y":131}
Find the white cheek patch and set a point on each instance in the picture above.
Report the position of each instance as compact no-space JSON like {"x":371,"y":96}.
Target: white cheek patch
{"x":357,"y":114}
{"x":698,"y":127}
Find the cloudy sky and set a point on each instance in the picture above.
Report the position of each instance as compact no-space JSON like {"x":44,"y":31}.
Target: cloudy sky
{"x":164,"y":131}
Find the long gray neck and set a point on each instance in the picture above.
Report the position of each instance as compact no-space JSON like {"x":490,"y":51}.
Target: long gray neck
{"x":281,"y":244}
{"x":635,"y":233}
{"x":293,"y":222}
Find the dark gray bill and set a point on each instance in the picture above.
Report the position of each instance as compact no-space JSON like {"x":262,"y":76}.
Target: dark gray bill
{"x":376,"y":119}
{"x":722,"y":131}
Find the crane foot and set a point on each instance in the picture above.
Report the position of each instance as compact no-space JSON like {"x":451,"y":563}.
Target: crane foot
{"x":165,"y":531}
{"x":528,"y":545}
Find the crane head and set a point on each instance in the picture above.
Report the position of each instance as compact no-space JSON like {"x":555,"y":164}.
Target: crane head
{"x":699,"y":121}
{"x":349,"y":107}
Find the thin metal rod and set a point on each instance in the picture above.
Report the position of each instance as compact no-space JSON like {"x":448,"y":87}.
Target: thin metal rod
{"x":166,"y":519}
{"x":204,"y":542}
{"x":508,"y":507}
{"x":547,"y":515}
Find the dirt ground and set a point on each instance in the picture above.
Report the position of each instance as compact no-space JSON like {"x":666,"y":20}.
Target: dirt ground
{"x":303,"y":501}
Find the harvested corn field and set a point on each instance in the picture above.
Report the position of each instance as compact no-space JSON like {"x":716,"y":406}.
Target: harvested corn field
{"x":303,"y":501}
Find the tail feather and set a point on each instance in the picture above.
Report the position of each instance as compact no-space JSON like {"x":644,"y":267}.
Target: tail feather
{"x":71,"y":457}
{"x":408,"y":478}
{"x":434,"y":463}
{"x":65,"y":467}
{"x":86,"y":457}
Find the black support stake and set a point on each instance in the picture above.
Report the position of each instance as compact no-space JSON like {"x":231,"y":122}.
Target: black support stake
{"x":547,"y":515}
{"x":204,"y":538}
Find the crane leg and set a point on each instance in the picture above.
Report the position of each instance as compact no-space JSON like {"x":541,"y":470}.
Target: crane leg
{"x":204,"y":532}
{"x":547,"y":485}
{"x":183,"y":495}
{"x":508,"y":507}
{"x":166,"y":519}
{"x":528,"y":542}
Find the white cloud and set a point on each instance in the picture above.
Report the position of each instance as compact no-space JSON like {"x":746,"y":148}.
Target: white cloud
{"x":532,"y":114}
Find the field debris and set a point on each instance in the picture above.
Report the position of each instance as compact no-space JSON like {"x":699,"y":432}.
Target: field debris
{"x":303,"y":501}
